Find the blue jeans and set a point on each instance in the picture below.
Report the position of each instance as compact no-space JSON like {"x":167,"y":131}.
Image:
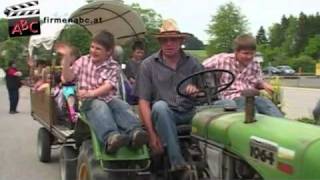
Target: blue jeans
{"x":112,"y":117}
{"x":222,"y":103}
{"x":14,"y":99}
{"x":165,"y":121}
{"x":262,"y":104}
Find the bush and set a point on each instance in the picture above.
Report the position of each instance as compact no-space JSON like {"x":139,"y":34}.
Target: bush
{"x":305,"y":62}
{"x":276,"y":95}
{"x":199,"y":54}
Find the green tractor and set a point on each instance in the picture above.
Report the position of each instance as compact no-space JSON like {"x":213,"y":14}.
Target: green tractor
{"x":221,"y":143}
{"x":245,"y":145}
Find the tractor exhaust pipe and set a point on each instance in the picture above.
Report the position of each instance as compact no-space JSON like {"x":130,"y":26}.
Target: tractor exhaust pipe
{"x":249,"y":95}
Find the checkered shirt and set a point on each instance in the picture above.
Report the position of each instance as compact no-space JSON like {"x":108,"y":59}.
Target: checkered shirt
{"x":90,"y":76}
{"x":249,"y":78}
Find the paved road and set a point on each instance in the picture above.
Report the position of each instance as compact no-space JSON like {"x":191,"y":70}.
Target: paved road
{"x":18,"y":160}
{"x":299,"y":102}
{"x":302,"y":81}
{"x":300,"y":95}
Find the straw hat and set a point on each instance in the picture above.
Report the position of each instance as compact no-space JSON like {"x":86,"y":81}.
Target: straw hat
{"x":170,"y":28}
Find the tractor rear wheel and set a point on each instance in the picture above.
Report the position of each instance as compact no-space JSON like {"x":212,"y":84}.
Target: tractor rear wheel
{"x":88,"y":168}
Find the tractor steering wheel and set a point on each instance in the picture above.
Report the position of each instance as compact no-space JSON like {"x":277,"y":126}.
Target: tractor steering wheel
{"x":208,"y":83}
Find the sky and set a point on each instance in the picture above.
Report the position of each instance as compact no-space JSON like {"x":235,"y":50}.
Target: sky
{"x":193,"y":16}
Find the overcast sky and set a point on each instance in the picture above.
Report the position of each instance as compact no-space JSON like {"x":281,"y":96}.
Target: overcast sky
{"x":193,"y":16}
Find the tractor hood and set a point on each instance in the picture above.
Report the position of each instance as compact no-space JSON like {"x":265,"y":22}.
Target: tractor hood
{"x":268,"y":144}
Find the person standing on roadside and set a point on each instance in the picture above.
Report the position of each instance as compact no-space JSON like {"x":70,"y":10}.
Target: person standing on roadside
{"x":13,"y":84}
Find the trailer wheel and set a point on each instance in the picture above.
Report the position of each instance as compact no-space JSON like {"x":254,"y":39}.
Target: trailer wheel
{"x":88,"y":168}
{"x":68,"y":163}
{"x":44,"y":145}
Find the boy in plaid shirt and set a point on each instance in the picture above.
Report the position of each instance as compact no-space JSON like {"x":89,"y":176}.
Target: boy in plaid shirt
{"x":96,"y":76}
{"x":247,"y":73}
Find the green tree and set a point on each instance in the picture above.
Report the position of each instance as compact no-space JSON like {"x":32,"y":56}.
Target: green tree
{"x":302,"y":33}
{"x":277,"y":32}
{"x":224,"y":27}
{"x":152,"y":21}
{"x":289,"y":46}
{"x":294,"y":41}
{"x":284,"y":22}
{"x":14,"y":49}
{"x":313,"y":47}
{"x":306,"y":63}
{"x":276,"y":35}
{"x":77,"y":36}
{"x":273,"y":56}
{"x":3,"y":30}
{"x":261,"y":36}
{"x":150,"y":17}
{"x":193,"y":43}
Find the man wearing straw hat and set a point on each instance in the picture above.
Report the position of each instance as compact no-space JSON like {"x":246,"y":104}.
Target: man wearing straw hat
{"x":161,"y":108}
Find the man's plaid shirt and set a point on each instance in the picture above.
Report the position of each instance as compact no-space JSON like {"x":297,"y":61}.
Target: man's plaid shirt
{"x":250,"y":77}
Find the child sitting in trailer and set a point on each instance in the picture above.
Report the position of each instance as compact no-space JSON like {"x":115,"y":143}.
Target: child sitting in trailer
{"x":43,"y":84}
{"x":69,"y":94}
{"x":58,"y":96}
{"x":41,"y":76}
{"x":35,"y":69}
{"x":69,"y":91}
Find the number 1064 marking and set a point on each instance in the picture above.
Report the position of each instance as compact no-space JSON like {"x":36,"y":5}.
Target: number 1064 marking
{"x":263,"y":155}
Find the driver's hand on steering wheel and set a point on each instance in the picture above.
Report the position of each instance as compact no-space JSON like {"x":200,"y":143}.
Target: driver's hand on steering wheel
{"x":191,"y":90}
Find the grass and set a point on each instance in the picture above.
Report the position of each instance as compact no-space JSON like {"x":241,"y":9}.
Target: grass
{"x":200,"y":54}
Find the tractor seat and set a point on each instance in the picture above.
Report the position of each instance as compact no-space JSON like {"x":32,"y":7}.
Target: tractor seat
{"x":184,"y":130}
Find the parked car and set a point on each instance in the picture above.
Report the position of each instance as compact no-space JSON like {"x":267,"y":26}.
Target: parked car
{"x":286,"y":70}
{"x":270,"y":70}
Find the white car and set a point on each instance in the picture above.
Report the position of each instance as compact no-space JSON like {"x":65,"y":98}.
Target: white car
{"x":286,"y":70}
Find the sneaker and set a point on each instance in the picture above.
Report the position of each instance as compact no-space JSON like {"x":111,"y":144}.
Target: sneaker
{"x":116,"y":141}
{"x":139,"y":138}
